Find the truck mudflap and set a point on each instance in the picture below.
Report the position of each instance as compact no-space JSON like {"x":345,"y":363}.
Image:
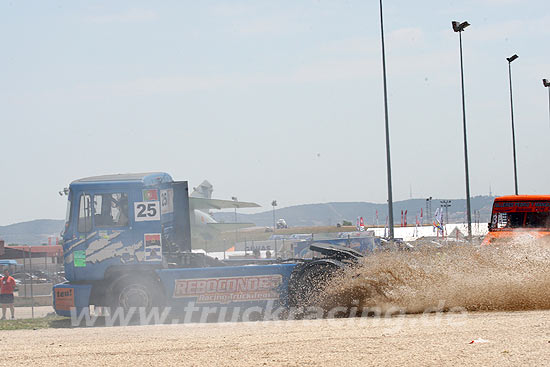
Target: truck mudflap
{"x":67,"y":296}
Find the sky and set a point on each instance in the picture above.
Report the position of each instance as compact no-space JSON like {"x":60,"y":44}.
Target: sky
{"x":270,"y":99}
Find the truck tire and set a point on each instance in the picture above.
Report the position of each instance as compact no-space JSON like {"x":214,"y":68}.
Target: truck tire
{"x":308,"y":289}
{"x":135,"y":292}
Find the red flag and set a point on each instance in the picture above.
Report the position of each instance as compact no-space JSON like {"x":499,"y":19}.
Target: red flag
{"x":150,"y":195}
{"x":421,"y":213}
{"x":405,"y":218}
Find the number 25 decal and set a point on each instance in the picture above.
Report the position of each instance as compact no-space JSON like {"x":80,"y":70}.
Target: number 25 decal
{"x":151,"y":210}
{"x":146,"y":210}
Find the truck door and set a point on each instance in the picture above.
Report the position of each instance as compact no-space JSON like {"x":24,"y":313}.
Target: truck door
{"x":113,"y":242}
{"x":104,"y":237}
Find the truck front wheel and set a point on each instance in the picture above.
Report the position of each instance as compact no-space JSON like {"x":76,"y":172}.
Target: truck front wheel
{"x":130,"y":292}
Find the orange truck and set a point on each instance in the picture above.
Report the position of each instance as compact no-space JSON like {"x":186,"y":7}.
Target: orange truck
{"x":516,"y":216}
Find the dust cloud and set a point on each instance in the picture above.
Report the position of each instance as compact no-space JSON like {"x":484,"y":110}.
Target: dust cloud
{"x":506,"y":277}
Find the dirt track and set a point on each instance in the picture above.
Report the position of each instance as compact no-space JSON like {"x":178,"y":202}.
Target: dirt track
{"x":513,"y":338}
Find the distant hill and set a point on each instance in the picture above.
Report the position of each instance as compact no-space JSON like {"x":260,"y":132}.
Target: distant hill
{"x":332,"y":213}
{"x":34,"y":232}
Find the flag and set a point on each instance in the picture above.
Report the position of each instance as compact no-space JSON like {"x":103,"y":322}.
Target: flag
{"x":150,"y":195}
{"x":437,"y":223}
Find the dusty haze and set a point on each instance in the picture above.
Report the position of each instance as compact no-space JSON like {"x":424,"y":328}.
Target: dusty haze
{"x":511,"y":277}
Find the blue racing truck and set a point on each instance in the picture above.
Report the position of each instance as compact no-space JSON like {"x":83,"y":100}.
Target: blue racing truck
{"x":127,"y":244}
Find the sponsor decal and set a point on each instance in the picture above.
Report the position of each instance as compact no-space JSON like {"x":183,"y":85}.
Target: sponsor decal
{"x":79,"y":259}
{"x":153,"y":247}
{"x":64,"y":298}
{"x":150,"y":195}
{"x":166,"y":201}
{"x":521,"y":206}
{"x":229,"y":289}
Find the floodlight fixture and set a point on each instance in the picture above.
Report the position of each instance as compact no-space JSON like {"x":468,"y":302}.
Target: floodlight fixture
{"x":459,"y":27}
{"x":512,"y":58}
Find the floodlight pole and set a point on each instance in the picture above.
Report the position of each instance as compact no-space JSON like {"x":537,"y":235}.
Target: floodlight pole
{"x":234,"y":198}
{"x":446,"y":204}
{"x":510,"y":59}
{"x":460,"y":29}
{"x":388,"y":158}
{"x":546,"y":83}
{"x":274,"y":204}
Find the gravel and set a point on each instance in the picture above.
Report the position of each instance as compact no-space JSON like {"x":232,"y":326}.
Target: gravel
{"x":510,"y":338}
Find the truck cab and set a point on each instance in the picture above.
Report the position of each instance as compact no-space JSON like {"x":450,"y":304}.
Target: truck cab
{"x":119,"y":220}
{"x":519,"y":216}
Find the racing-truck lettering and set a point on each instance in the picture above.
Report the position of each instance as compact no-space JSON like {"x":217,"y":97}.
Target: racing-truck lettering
{"x":198,"y":287}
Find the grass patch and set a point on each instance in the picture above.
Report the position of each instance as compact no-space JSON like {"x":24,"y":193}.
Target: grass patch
{"x":37,"y":323}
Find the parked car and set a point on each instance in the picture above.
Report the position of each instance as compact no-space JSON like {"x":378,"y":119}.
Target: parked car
{"x":26,"y":278}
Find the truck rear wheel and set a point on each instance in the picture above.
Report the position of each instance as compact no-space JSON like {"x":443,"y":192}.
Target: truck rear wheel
{"x":310,"y":288}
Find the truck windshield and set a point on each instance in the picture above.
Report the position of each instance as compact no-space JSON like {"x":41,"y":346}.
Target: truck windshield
{"x":511,"y":215}
{"x":67,"y":216}
{"x":68,"y":213}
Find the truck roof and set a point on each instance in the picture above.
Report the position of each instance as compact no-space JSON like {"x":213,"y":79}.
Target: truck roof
{"x":147,"y":178}
{"x":523,"y":198}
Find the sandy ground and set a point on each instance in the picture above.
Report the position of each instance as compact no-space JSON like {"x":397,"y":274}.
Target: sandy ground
{"x":512,"y":338}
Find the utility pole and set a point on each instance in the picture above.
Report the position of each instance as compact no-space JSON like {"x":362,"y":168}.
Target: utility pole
{"x":274,"y":204}
{"x":446,"y":204}
{"x":387,"y":126}
{"x":429,"y":209}
{"x":510,"y":59}
{"x":546,"y":83}
{"x":234,"y":198}
{"x":459,"y":28}
{"x":31,"y":275}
